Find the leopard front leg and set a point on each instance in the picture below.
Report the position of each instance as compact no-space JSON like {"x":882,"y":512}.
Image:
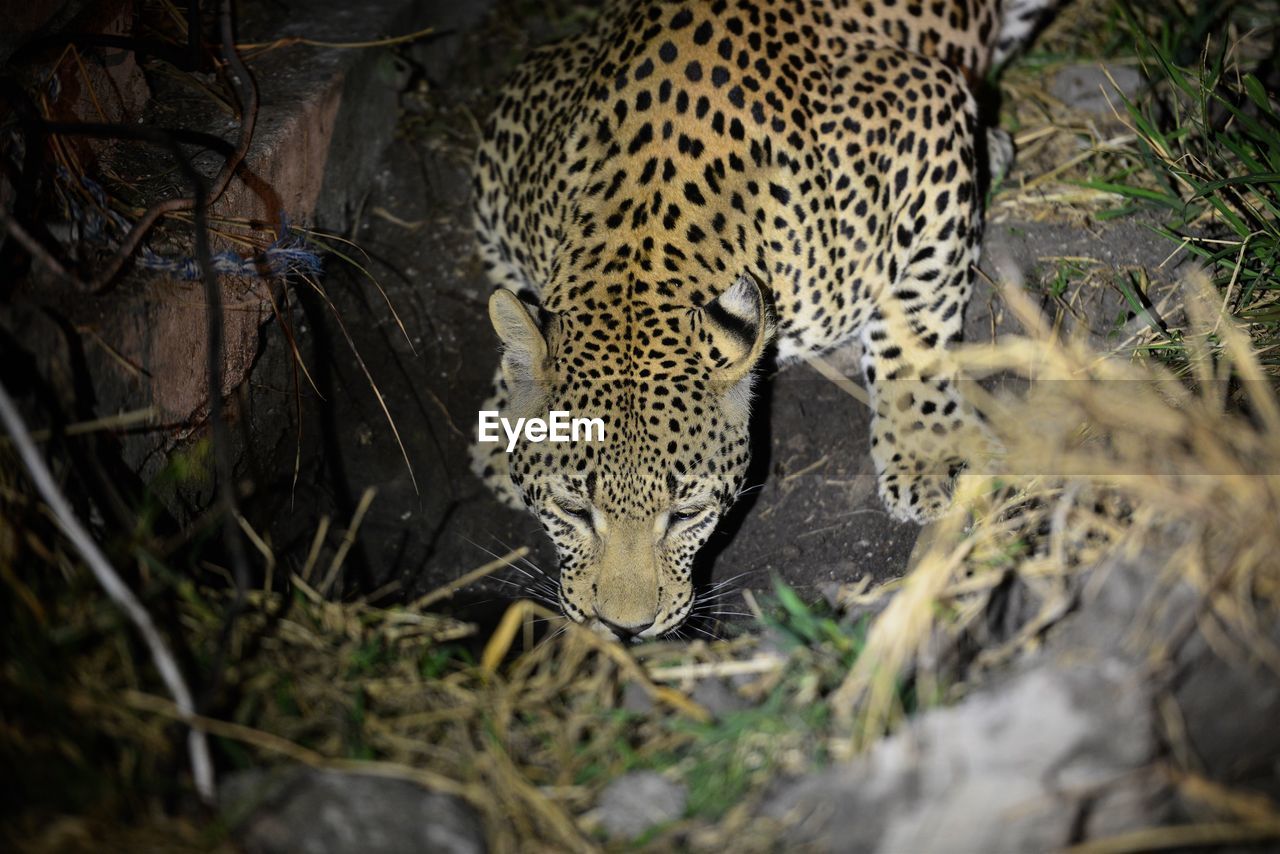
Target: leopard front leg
{"x":922,"y":429}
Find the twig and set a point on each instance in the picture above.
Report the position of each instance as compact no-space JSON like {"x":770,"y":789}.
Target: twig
{"x":273,"y":743}
{"x":373,"y":386}
{"x":262,"y":47}
{"x":313,"y":555}
{"x":348,"y":540}
{"x":474,"y":575}
{"x":812,"y":467}
{"x":263,"y":549}
{"x":166,"y":665}
{"x":35,"y":247}
{"x":846,"y":385}
{"x":721,"y":669}
{"x":383,"y":213}
{"x":247,"y":92}
{"x":122,"y":421}
{"x":504,"y":635}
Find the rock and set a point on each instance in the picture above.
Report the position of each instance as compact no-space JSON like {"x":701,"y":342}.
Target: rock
{"x":1082,"y":86}
{"x":718,"y":697}
{"x":1230,"y":705}
{"x":303,"y":811}
{"x":1058,"y":749}
{"x":636,"y":698}
{"x":1018,"y":767}
{"x":637,"y":801}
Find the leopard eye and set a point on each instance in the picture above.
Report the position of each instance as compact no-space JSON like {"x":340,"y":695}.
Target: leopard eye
{"x":680,"y":518}
{"x":581,"y":512}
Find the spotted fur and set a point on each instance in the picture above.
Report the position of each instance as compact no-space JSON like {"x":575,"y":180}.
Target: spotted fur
{"x":662,"y":197}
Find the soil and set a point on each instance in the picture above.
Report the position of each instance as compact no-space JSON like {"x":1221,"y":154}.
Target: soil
{"x":813,"y":519}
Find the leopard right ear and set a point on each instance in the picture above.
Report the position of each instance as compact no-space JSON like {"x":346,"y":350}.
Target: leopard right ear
{"x":526,"y":359}
{"x":737,"y":326}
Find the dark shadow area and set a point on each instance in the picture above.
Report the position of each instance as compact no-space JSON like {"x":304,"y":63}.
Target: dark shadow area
{"x":757,"y":475}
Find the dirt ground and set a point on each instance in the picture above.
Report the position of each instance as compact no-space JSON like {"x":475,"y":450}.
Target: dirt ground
{"x":815,"y":518}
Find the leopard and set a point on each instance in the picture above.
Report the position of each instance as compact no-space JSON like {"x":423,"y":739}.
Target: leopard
{"x":688,"y":189}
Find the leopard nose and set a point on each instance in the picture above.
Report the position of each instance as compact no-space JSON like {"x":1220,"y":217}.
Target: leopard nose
{"x":625,"y":633}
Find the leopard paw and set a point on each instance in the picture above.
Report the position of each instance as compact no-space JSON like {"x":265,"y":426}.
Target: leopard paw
{"x":915,"y":497}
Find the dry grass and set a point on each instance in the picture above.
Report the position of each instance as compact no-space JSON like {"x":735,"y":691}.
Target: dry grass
{"x":1100,"y":457}
{"x":526,"y":732}
{"x":1060,"y":146}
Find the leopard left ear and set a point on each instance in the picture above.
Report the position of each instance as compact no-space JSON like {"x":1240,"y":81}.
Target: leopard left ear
{"x":526,"y":361}
{"x":735,"y":331}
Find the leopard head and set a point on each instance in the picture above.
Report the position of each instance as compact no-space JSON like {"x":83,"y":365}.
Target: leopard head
{"x":673,"y":387}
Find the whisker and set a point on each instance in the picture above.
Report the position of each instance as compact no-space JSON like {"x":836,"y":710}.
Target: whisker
{"x":723,"y":596}
{"x":700,"y":630}
{"x":496,"y":599}
{"x":489,"y":552}
{"x":525,"y":559}
{"x":724,"y":601}
{"x":533,"y":569}
{"x":484,"y":549}
{"x":521,"y":562}
{"x":526,"y":573}
{"x":726,"y":581}
{"x":538,"y":585}
{"x":718,"y":596}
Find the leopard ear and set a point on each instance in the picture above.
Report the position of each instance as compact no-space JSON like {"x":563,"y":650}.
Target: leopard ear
{"x":736,"y":329}
{"x":526,"y":361}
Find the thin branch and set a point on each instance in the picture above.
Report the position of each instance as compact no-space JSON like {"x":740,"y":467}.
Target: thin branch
{"x":247,"y":93}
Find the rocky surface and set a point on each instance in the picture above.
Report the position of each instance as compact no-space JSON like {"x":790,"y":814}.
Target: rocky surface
{"x":1031,"y":764}
{"x":1096,"y":87}
{"x":638,"y":801}
{"x":1062,"y":746}
{"x":302,"y":811}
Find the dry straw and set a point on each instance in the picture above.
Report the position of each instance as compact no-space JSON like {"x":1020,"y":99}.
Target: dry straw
{"x":1099,"y":456}
{"x":1096,"y":456}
